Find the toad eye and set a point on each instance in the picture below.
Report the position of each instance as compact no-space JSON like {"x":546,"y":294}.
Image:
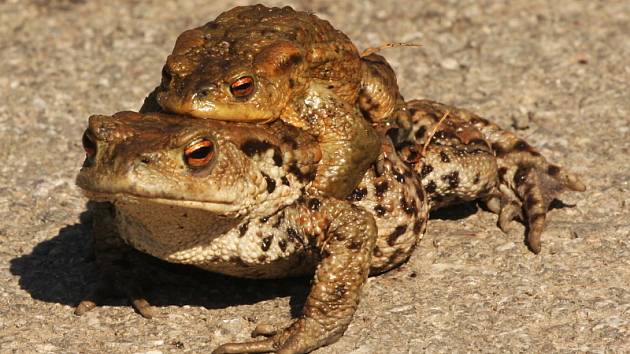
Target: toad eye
{"x":88,"y":145}
{"x":199,"y":153}
{"x":242,"y":87}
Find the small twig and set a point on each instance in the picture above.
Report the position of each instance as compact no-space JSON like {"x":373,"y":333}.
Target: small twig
{"x":373,"y":50}
{"x":423,"y":153}
{"x":433,"y":131}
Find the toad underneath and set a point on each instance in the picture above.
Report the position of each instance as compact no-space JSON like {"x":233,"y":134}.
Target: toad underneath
{"x":230,"y":198}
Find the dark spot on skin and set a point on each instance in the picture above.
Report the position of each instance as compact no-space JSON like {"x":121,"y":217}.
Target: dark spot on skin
{"x":413,"y":275}
{"x":417,"y":226}
{"x":338,"y":236}
{"x":443,"y":135}
{"x":477,"y":178}
{"x":420,"y":132}
{"x":408,"y":208}
{"x":377,"y":251}
{"x":264,"y":219}
{"x":398,"y":231}
{"x":287,"y":63}
{"x":271,"y":183}
{"x":399,"y":176}
{"x":452,"y":179}
{"x":262,"y":258}
{"x":266,"y":243}
{"x":501,"y":172}
{"x":277,"y":157}
{"x":314,"y":204}
{"x":283,"y":245}
{"x":285,"y":180}
{"x":521,"y":174}
{"x":521,"y":145}
{"x":292,"y":233}
{"x":553,"y":170}
{"x":295,"y":237}
{"x":295,"y":59}
{"x":355,"y":245}
{"x":444,"y":157}
{"x":413,"y":156}
{"x":243,"y":229}
{"x":498,"y":149}
{"x":431,"y":187}
{"x":291,"y":83}
{"x":381,"y":188}
{"x":340,"y":290}
{"x":330,"y":87}
{"x":380,"y":210}
{"x":357,"y":194}
{"x":302,"y":177}
{"x":289,"y":140}
{"x":426,"y":169}
{"x":253,"y":147}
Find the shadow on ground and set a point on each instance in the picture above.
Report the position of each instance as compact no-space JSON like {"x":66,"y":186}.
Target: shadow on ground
{"x":62,"y":270}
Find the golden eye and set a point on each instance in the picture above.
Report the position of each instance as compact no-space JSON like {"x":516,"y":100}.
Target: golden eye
{"x":88,"y":145}
{"x":199,"y":153}
{"x":242,"y":87}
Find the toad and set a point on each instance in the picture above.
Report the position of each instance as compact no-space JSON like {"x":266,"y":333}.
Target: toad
{"x":258,"y":64}
{"x":230,"y":198}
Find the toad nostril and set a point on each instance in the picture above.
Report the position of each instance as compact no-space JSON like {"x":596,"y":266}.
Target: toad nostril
{"x":146,"y":159}
{"x":205,"y":91}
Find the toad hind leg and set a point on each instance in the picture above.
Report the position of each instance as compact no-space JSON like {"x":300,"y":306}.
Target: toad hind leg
{"x":526,"y":182}
{"x":345,"y":251}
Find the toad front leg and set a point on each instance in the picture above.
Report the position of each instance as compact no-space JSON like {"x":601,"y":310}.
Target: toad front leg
{"x":345,"y":245}
{"x":348,"y":142}
{"x":111,"y":255}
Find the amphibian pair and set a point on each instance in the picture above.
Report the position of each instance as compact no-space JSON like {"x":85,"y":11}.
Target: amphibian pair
{"x":238,"y":198}
{"x":230,"y":198}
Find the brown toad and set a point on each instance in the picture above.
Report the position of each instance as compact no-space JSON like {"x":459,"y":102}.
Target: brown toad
{"x":229,"y":198}
{"x":258,"y":64}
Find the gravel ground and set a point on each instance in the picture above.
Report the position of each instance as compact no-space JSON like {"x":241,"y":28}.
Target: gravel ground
{"x":557,"y":71}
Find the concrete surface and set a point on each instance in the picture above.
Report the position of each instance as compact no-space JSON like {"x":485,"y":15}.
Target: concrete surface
{"x":557,"y":70}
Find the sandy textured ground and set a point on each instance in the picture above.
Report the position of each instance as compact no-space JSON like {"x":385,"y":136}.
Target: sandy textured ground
{"x":559,"y":67}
